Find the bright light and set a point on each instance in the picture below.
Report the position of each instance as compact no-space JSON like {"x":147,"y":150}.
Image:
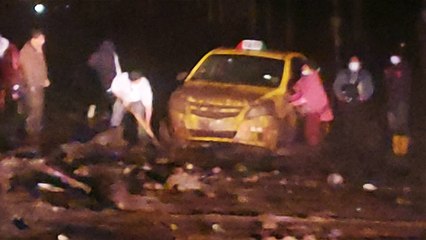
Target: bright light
{"x":251,"y":45}
{"x":267,"y":76}
{"x":39,"y":8}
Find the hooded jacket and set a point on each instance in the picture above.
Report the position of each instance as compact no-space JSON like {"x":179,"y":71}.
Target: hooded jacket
{"x":311,"y":96}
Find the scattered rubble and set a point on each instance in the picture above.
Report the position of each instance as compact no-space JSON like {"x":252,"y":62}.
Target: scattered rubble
{"x":335,"y":179}
{"x":183,"y":181}
{"x":62,"y":237}
{"x":217,"y":228}
{"x":369,"y":187}
{"x":268,"y":221}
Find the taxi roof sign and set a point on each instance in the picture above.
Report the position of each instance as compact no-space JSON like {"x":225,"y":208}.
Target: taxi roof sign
{"x":255,"y":45}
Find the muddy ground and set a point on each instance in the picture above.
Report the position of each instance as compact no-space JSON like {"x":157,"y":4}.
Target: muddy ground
{"x":209,"y":192}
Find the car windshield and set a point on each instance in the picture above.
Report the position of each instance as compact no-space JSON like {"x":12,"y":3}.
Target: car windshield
{"x":241,"y":69}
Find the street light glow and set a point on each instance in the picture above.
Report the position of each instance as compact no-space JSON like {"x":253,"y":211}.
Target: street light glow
{"x":39,"y":8}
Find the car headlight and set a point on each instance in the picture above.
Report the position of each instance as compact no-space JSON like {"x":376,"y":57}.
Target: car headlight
{"x":263,"y":109}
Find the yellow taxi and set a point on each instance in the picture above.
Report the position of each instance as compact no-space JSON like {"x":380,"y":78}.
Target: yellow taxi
{"x":238,"y":95}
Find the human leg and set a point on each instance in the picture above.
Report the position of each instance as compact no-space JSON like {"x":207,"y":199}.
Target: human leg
{"x":118,"y":111}
{"x":313,"y":129}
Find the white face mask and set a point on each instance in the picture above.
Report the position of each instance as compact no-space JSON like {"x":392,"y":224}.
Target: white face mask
{"x":354,"y":66}
{"x":395,"y":60}
{"x":306,"y":72}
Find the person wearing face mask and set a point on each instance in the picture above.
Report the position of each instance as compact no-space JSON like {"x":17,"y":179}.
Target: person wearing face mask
{"x":398,"y":87}
{"x":34,"y":72}
{"x":311,"y":100}
{"x":357,"y":131}
{"x":353,"y":85}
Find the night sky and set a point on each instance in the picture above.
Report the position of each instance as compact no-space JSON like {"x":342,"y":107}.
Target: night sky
{"x":163,"y":37}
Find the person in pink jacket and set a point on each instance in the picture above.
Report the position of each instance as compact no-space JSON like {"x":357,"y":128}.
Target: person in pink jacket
{"x":9,"y":73}
{"x":311,"y":100}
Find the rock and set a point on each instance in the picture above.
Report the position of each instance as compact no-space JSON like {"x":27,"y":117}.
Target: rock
{"x":269,"y":238}
{"x":309,"y":237}
{"x":112,"y":137}
{"x":10,"y":167}
{"x":147,"y":167}
{"x":241,"y":168}
{"x":283,"y":181}
{"x":132,"y":202}
{"x":268,"y":221}
{"x":49,"y":187}
{"x":403,"y":201}
{"x":289,"y":238}
{"x":252,"y":179}
{"x":217,"y":228}
{"x":242,"y":199}
{"x":310,"y":183}
{"x":335,"y":233}
{"x":62,"y":237}
{"x":335,"y":179}
{"x":153,"y":186}
{"x":82,"y":171}
{"x":189,"y":166}
{"x":173,"y":227}
{"x":216,"y":170}
{"x":162,"y":160}
{"x":74,"y":150}
{"x":183,"y":181}
{"x":369,"y":187}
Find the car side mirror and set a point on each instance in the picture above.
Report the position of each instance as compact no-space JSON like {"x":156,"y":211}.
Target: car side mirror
{"x":181,"y":76}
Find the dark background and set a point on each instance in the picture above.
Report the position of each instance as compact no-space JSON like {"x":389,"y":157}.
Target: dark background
{"x":164,"y":37}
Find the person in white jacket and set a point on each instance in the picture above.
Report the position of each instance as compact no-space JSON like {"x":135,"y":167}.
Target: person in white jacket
{"x":134,"y":94}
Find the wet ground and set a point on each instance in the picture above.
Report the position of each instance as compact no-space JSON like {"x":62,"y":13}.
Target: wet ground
{"x":210,"y":192}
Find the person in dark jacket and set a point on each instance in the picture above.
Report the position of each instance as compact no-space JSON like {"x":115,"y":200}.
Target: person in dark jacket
{"x":353,"y":85}
{"x":398,"y":88}
{"x":34,"y":72}
{"x":102,"y":61}
{"x":356,"y":128}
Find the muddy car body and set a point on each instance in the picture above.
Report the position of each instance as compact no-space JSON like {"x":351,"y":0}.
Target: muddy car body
{"x":237,"y":96}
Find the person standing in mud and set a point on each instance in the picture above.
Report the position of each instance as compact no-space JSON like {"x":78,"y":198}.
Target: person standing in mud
{"x":398,"y":88}
{"x":35,"y":77}
{"x":102,"y":61}
{"x":133,"y":94}
{"x":353,"y":88}
{"x":311,"y":100}
{"x":9,"y":73}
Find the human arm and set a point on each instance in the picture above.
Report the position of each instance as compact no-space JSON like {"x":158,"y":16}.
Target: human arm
{"x":365,"y":87}
{"x":338,"y":86}
{"x":117,"y":64}
{"x":297,"y":98}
